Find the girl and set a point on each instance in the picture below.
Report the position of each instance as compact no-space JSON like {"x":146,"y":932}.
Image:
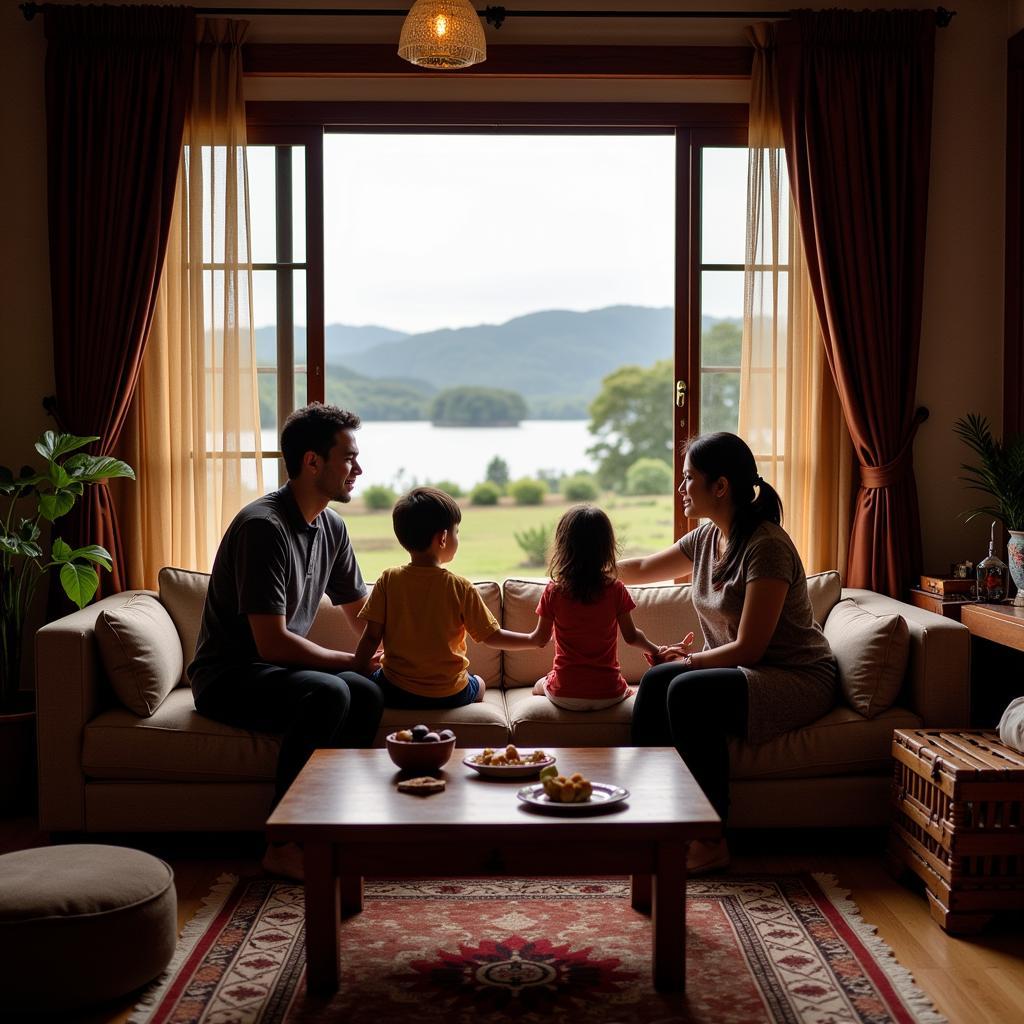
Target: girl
{"x":586,"y":606}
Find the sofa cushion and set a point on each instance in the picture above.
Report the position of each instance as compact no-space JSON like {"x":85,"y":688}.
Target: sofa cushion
{"x":536,"y":722}
{"x":175,"y":744}
{"x":140,"y":651}
{"x":871,"y":652}
{"x":484,"y":724}
{"x":824,"y":589}
{"x":663,"y":612}
{"x":332,"y":629}
{"x":183,"y":594}
{"x":841,"y":743}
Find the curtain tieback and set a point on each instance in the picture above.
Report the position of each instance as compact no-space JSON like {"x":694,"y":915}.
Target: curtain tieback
{"x":878,"y":477}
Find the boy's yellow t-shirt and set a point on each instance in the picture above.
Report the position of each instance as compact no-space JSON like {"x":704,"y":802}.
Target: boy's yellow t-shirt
{"x":426,"y":612}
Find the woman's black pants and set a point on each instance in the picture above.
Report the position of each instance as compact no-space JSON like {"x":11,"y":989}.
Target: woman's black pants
{"x":695,"y":711}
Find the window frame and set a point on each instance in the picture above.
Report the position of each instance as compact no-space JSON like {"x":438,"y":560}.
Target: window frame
{"x":694,"y":125}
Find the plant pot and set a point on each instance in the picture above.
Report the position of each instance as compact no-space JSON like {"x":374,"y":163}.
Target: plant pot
{"x":17,"y":761}
{"x":1015,"y":559}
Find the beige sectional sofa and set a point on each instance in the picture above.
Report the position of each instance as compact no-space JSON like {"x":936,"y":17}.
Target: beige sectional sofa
{"x":103,"y":768}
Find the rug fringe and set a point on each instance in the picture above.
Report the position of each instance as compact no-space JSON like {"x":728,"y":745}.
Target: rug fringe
{"x":917,"y":1001}
{"x":190,"y":935}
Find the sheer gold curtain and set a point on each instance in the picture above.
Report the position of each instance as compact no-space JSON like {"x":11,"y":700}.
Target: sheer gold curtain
{"x":193,"y":433}
{"x":789,"y":409}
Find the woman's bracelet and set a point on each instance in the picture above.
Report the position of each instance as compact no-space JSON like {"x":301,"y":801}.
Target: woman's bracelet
{"x":687,"y":661}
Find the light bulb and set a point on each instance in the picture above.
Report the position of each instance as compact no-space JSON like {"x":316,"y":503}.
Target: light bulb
{"x":440,"y":25}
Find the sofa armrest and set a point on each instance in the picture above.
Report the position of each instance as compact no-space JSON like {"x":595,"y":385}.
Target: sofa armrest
{"x":938,"y":682}
{"x":69,"y":692}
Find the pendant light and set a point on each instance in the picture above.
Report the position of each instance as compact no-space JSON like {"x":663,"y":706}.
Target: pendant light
{"x":442,"y":34}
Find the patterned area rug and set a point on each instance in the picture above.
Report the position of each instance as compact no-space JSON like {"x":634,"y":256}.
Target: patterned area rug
{"x":759,"y":949}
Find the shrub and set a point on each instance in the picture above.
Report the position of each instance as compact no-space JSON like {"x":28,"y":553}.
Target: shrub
{"x":379,"y":498}
{"x":450,"y":487}
{"x":649,"y":476}
{"x":535,"y":541}
{"x":527,"y":491}
{"x":485,"y":493}
{"x":580,"y":487}
{"x":551,"y":478}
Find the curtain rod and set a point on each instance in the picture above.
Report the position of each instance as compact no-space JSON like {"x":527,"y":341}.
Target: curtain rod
{"x":492,"y":15}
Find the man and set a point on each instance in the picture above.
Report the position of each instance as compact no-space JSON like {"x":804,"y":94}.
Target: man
{"x":254,"y":666}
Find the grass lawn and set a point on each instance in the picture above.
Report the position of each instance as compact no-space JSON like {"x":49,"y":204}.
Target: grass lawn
{"x":488,"y":548}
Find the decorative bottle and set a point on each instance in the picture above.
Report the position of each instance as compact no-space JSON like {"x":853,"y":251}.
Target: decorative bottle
{"x":991,"y":574}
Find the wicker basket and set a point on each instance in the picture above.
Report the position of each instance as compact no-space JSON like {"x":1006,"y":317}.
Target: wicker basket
{"x":958,"y":822}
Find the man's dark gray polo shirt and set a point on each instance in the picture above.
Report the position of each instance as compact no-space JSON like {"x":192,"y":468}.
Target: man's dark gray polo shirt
{"x":271,"y":562}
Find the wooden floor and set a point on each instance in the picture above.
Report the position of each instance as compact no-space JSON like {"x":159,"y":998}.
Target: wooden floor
{"x":976,"y":980}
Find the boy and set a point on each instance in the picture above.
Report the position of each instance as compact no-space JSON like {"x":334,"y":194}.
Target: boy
{"x":422,"y":613}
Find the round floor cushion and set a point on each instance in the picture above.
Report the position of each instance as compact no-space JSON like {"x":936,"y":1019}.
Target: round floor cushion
{"x":81,"y":924}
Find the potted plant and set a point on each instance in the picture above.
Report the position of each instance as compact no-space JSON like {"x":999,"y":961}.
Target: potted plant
{"x":1000,"y":475}
{"x":33,"y":497}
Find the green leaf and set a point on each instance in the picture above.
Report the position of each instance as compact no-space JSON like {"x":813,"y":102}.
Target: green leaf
{"x":53,"y":506}
{"x":60,"y":550}
{"x":58,"y":476}
{"x":92,"y":553}
{"x":6,"y":476}
{"x":53,"y":445}
{"x":79,"y":582}
{"x":12,"y":545}
{"x":91,"y":468}
{"x":28,"y":530}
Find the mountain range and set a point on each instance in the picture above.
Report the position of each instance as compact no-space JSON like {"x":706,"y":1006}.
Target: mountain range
{"x":555,"y":359}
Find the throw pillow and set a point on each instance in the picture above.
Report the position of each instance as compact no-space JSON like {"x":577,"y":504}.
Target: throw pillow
{"x":871,"y":652}
{"x":824,"y":589}
{"x":141,"y":652}
{"x":183,"y":594}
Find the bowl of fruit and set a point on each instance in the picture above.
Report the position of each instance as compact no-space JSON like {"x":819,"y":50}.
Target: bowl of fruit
{"x":420,"y":749}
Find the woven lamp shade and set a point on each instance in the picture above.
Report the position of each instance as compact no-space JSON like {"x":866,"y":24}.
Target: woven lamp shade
{"x":442,"y":34}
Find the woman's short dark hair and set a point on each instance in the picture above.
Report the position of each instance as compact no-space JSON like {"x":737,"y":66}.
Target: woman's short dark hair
{"x":583,"y":553}
{"x":313,"y":428}
{"x":422,"y":514}
{"x":725,"y":455}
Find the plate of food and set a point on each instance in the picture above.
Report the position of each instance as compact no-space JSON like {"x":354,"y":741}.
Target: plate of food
{"x":508,"y":762}
{"x":558,"y":794}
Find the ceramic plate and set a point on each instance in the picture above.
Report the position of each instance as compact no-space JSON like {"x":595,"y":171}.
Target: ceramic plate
{"x":603,"y":796}
{"x":507,"y":771}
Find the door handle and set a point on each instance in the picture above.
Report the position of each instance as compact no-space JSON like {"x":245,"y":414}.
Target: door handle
{"x":680,"y":393}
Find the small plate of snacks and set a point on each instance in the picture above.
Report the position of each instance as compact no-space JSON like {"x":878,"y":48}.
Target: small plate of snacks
{"x":574,"y":794}
{"x":508,"y":763}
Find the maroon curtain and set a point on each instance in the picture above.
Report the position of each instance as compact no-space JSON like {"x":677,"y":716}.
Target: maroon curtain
{"x":118,"y":82}
{"x":1013,"y":349}
{"x":855,"y":93}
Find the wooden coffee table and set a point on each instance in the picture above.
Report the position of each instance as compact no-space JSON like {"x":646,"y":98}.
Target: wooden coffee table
{"x":352,"y":822}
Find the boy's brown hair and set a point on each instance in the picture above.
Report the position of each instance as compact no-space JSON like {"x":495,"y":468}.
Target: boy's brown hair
{"x":422,"y":514}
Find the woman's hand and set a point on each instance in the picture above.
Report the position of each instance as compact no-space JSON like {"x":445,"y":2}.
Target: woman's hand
{"x":673,"y":652}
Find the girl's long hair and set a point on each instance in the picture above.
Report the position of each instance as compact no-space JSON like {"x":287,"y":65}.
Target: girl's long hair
{"x":583,"y":555}
{"x":756,"y":502}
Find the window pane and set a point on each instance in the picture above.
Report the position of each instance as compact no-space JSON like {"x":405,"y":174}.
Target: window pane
{"x":565,"y":284}
{"x":723,"y":205}
{"x":264,"y":309}
{"x":262,"y":216}
{"x":268,"y":410}
{"x":721,"y":322}
{"x":719,"y":401}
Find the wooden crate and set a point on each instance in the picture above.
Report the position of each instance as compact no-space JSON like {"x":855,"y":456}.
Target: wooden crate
{"x":958,"y":822}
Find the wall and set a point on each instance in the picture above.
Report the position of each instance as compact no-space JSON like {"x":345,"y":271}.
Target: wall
{"x":961,"y":349}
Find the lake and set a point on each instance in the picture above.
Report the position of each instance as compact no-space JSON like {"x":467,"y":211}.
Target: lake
{"x":394,"y":453}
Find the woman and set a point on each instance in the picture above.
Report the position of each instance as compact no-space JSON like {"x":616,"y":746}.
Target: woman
{"x":766,"y":667}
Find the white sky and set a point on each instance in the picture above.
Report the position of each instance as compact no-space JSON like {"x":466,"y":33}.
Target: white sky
{"x":428,"y":231}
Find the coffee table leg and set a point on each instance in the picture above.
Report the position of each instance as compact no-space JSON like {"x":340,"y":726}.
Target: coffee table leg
{"x":668,"y":918}
{"x":640,"y":886}
{"x":323,"y":907}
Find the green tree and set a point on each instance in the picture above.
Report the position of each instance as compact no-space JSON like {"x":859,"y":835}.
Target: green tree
{"x":379,"y":498}
{"x":497,"y":472}
{"x":631,"y":418}
{"x":579,"y":487}
{"x":477,"y":407}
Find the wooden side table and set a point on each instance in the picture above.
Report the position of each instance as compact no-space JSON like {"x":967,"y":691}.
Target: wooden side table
{"x":997,"y":658}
